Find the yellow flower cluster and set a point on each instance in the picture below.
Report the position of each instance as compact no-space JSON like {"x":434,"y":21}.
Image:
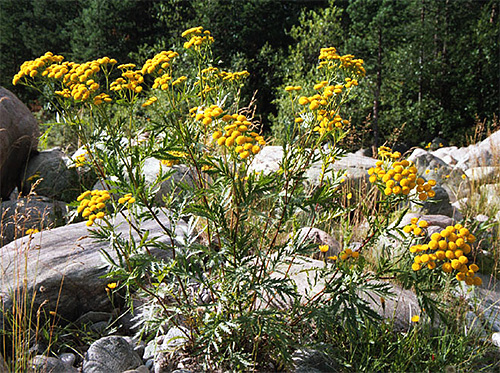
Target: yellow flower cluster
{"x":385,"y":152}
{"x":179,"y":80}
{"x":400,"y":177}
{"x":228,"y":76}
{"x":348,"y":253}
{"x":450,"y":248}
{"x":344,"y":255}
{"x":174,"y":153}
{"x":94,"y":207}
{"x":210,"y":71}
{"x":235,"y":136}
{"x":81,"y":159}
{"x":291,"y":88}
{"x":159,"y":63}
{"x":130,"y":79}
{"x":347,"y":62}
{"x":417,"y":230}
{"x":32,"y":68}
{"x":162,"y":82}
{"x":127,"y":198}
{"x":212,"y":76}
{"x":328,"y":120}
{"x":208,"y":115}
{"x":31,"y":231}
{"x":111,"y":285}
{"x":197,"y":37}
{"x":76,"y":78}
{"x":102,"y":97}
{"x":150,"y":101}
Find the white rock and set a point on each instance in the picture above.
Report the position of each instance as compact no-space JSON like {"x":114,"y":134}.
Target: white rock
{"x":495,"y":338}
{"x":110,"y":354}
{"x":267,"y":160}
{"x":483,"y":175}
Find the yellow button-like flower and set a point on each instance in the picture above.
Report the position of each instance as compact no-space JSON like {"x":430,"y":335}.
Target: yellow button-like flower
{"x":323,"y":248}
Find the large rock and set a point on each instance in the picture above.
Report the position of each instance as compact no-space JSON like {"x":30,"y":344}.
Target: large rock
{"x":482,"y":154}
{"x":310,"y":235}
{"x":355,"y":168}
{"x":491,"y":193}
{"x":42,"y":364}
{"x":451,"y":179}
{"x":19,"y":134}
{"x":56,"y":179}
{"x":162,"y":179}
{"x":439,"y":205}
{"x":64,"y":266}
{"x":399,"y":307}
{"x":110,"y":354}
{"x":307,"y":360}
{"x":178,"y":174}
{"x":483,"y":175}
{"x":268,"y":160}
{"x":33,"y":212}
{"x":436,"y":222}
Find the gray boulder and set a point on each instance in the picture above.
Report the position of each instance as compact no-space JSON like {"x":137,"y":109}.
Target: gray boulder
{"x":45,"y":364}
{"x":319,"y":237}
{"x":180,"y":174}
{"x":110,"y":354}
{"x":399,"y":308}
{"x":495,"y":339}
{"x":63,"y":267}
{"x":354,"y":165}
{"x":355,"y":168}
{"x":491,"y":193}
{"x":56,"y":179}
{"x":481,"y":154}
{"x":453,"y":180}
{"x":439,"y":205}
{"x":164,"y":179}
{"x":175,"y":338}
{"x":436,"y":222}
{"x":139,"y":369}
{"x":33,"y":212}
{"x":19,"y":134}
{"x":308,"y":360}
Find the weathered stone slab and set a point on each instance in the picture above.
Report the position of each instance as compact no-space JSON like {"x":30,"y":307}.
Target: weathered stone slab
{"x":63,"y":267}
{"x":19,"y":134}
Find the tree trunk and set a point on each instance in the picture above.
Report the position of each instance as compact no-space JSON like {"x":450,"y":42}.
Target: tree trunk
{"x":421,"y":64}
{"x":378,"y":85}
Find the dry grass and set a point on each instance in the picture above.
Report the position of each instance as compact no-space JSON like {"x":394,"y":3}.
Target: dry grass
{"x":22,"y":323}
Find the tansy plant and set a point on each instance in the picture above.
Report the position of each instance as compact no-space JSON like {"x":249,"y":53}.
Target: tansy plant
{"x":230,"y":284}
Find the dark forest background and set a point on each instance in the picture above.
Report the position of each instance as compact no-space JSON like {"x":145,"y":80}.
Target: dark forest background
{"x":432,"y":65}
